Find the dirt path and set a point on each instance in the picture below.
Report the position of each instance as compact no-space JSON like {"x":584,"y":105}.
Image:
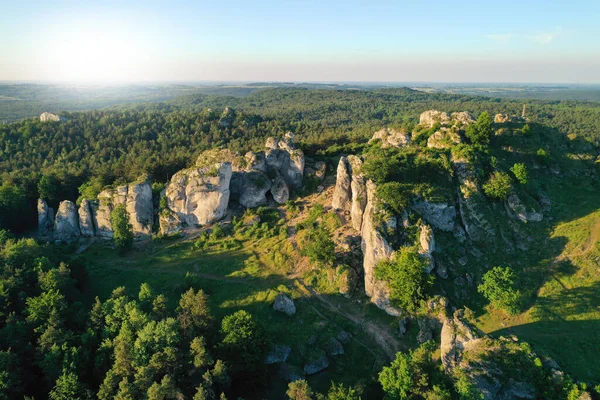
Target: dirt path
{"x":591,"y":242}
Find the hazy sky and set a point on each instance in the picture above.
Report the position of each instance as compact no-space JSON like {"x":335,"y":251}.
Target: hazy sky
{"x":289,"y":40}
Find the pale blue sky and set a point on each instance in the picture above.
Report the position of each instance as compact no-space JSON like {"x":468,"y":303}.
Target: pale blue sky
{"x":458,"y":41}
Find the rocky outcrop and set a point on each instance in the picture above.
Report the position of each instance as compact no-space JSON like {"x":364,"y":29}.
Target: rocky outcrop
{"x":101,"y":213}
{"x":283,"y":303}
{"x":278,"y":354}
{"x":279,"y":189}
{"x":140,"y":208}
{"x":462,"y":117}
{"x":502,"y":118}
{"x":199,"y":196}
{"x":283,"y":156}
{"x":432,"y":117}
{"x":333,"y":347}
{"x":391,"y":138}
{"x":444,"y":139}
{"x":316,"y":365}
{"x":427,"y":246}
{"x":520,"y":210}
{"x":440,"y":215}
{"x":255,"y":161}
{"x":86,"y":220}
{"x":342,"y":192}
{"x":66,"y":223}
{"x":45,"y":218}
{"x":255,"y":185}
{"x":359,"y":192}
{"x":375,"y":249}
{"x":49,"y":117}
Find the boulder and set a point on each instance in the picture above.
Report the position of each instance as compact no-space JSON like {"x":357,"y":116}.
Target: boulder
{"x":279,"y":189}
{"x":402,"y":323}
{"x":320,"y":170}
{"x":277,"y":159}
{"x":502,"y":118}
{"x":283,"y":303}
{"x":169,"y":222}
{"x":427,"y":244}
{"x":272,"y":143}
{"x":49,"y":117}
{"x":439,"y":215}
{"x":45,"y":218}
{"x":520,"y":210}
{"x":199,"y":196}
{"x":375,"y":248}
{"x":344,"y":337}
{"x":66,"y":223}
{"x":290,"y":373}
{"x":86,"y":221}
{"x":359,"y":192}
{"x":278,"y":354}
{"x":255,"y":161}
{"x":333,"y":347}
{"x":391,"y":138}
{"x":101,"y":213}
{"x":342,"y":192}
{"x":287,"y":143}
{"x":295,"y":170}
{"x":255,"y":186}
{"x":316,"y":365}
{"x":432,"y":117}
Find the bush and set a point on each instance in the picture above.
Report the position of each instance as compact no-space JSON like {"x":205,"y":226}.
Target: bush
{"x":498,"y":186}
{"x":498,"y":288}
{"x":318,"y":246}
{"x":481,"y":131}
{"x":394,"y":196}
{"x":408,"y":282}
{"x":521,"y":173}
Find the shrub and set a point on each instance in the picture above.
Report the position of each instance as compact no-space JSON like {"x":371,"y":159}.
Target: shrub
{"x":481,"y":131}
{"x":393,"y":195}
{"x":318,"y":246}
{"x":498,"y":186}
{"x":521,"y":173}
{"x":542,"y":156}
{"x":122,"y":229}
{"x":498,"y":288}
{"x":409,"y":283}
{"x":526,"y":130}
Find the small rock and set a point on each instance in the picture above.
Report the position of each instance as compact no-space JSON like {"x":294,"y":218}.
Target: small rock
{"x":442,"y":271}
{"x":284,"y":304}
{"x":476,"y":252}
{"x":463,"y":260}
{"x":402,"y":327}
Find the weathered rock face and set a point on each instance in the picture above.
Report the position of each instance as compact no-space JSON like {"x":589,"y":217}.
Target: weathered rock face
{"x":283,"y":156}
{"x":391,"y":137}
{"x":278,"y":354}
{"x":342,"y":192}
{"x":295,"y":170}
{"x":518,"y":208}
{"x":199,"y":196}
{"x":49,"y":117}
{"x":316,"y":365}
{"x":66,"y":224}
{"x":375,"y":249}
{"x":140,"y":208}
{"x":439,"y":215}
{"x":444,"y":139}
{"x":432,"y":117}
{"x":255,"y":161}
{"x":463,"y":118}
{"x":254,"y":189}
{"x":502,"y":118}
{"x":279,"y":189}
{"x":86,"y":220}
{"x":169,"y":222}
{"x":320,"y":170}
{"x":101,"y":213}
{"x":284,"y":304}
{"x":359,"y":192}
{"x":45,"y":218}
{"x":427,"y":243}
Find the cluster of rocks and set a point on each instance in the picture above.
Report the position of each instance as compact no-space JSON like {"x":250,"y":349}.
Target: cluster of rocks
{"x":92,"y":217}
{"x":201,"y":195}
{"x":432,"y":117}
{"x":391,"y":138}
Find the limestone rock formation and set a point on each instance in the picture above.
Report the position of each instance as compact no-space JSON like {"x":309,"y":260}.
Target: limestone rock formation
{"x":427,"y":243}
{"x":283,"y":303}
{"x":199,"y":196}
{"x":440,"y":215}
{"x":342,"y":192}
{"x":140,"y":208}
{"x":255,"y":161}
{"x":279,"y":189}
{"x":333,"y":347}
{"x":375,"y":249}
{"x":462,"y":117}
{"x":320,"y":170}
{"x":283,"y":156}
{"x":101,"y":213}
{"x":86,"y":220}
{"x":444,"y":139}
{"x":502,"y":118}
{"x":45,"y":218}
{"x":391,"y":137}
{"x":49,"y":117}
{"x":255,"y":185}
{"x":359,"y":192}
{"x":520,"y":210}
{"x":432,"y":117}
{"x":66,"y":223}
{"x":169,"y":222}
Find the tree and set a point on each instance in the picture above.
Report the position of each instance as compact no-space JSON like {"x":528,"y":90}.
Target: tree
{"x":340,"y":392}
{"x":244,"y":343}
{"x":67,"y":387}
{"x":193,"y":313}
{"x":498,"y":288}
{"x":498,"y":186}
{"x":408,"y":282}
{"x":48,"y":188}
{"x":146,"y":294}
{"x":521,"y":173}
{"x":122,"y":229}
{"x":394,"y":195}
{"x":201,"y":357}
{"x":14,"y":212}
{"x":526,"y":130}
{"x":481,"y":131}
{"x":299,"y":390}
